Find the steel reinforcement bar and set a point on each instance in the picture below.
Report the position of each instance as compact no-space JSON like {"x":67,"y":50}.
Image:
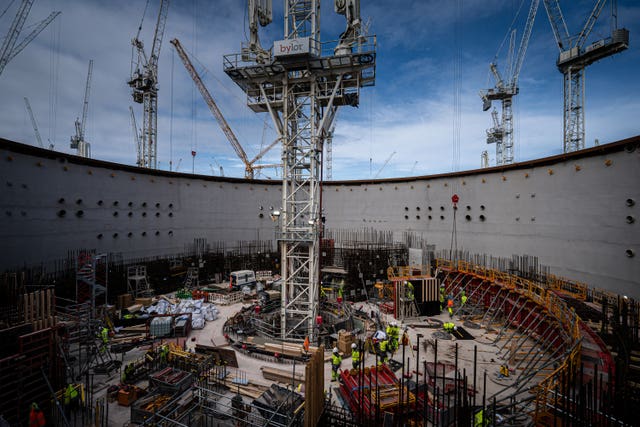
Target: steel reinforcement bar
{"x":544,"y":296}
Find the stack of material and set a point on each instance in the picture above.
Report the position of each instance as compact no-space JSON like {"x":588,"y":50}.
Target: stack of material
{"x":170,"y":380}
{"x":282,"y":376}
{"x":345,"y":339}
{"x":161,"y":326}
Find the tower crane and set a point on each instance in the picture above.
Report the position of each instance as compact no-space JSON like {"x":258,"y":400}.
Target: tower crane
{"x":574,"y":58}
{"x":505,"y":89}
{"x":136,"y":137}
{"x":77,"y":141}
{"x":250,"y":165}
{"x":9,"y":50}
{"x":260,"y":12}
{"x":144,"y":85}
{"x":385,"y":164}
{"x":33,"y":122}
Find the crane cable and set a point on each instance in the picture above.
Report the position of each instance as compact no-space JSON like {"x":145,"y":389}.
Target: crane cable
{"x":7,"y":8}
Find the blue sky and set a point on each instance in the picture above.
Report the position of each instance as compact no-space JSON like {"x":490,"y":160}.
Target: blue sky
{"x":408,"y":117}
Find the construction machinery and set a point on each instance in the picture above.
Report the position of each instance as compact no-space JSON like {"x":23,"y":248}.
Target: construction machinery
{"x":9,"y":50}
{"x":250,"y":165}
{"x":575,"y":57}
{"x":505,"y":89}
{"x":144,"y":85}
{"x":78,"y":142}
{"x":301,"y":90}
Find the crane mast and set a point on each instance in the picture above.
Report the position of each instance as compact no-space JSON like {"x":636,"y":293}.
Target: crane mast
{"x":136,"y":138}
{"x":384,"y":165}
{"x":505,"y":89}
{"x":144,"y":85}
{"x":301,"y":90}
{"x":572,"y":61}
{"x":82,"y":147}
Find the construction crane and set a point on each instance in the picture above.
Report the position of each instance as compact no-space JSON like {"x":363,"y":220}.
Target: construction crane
{"x":77,"y":141}
{"x":385,"y":164}
{"x":260,"y":12}
{"x":250,"y":165}
{"x":505,"y":89}
{"x":136,"y":137}
{"x":33,"y":122}
{"x":9,"y":50}
{"x":574,"y":58}
{"x":144,"y":85}
{"x":484,"y":159}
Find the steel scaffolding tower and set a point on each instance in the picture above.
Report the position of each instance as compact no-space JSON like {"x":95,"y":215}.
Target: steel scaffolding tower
{"x":301,"y":90}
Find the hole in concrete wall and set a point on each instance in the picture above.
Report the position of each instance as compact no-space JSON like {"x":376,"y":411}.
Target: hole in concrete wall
{"x":630,"y":219}
{"x":129,"y":234}
{"x":468,"y":217}
{"x":417,"y":216}
{"x":157,"y":205}
{"x":144,"y":214}
{"x":157,"y":214}
{"x":7,"y":213}
{"x":62,"y":213}
{"x":441,"y":208}
{"x":441,"y":216}
{"x":481,"y":217}
{"x":80,"y":214}
{"x":170,"y":233}
{"x":406,"y":217}
{"x":481,"y":207}
{"x":79,"y":202}
{"x":116,"y":203}
{"x":468,"y":207}
{"x":630,"y":253}
{"x":157,"y":233}
{"x":418,"y":208}
{"x":430,"y":208}
{"x":115,"y":235}
{"x":259,"y":216}
{"x":61,"y":200}
{"x":100,"y":202}
{"x":406,"y":208}
{"x":130,"y":214}
{"x":170,"y":205}
{"x":429,"y":216}
{"x":115,"y":214}
{"x":144,"y":233}
{"x":630,"y":202}
{"x":130,"y":204}
{"x":99,"y":236}
{"x":144,"y":204}
{"x":171,"y":214}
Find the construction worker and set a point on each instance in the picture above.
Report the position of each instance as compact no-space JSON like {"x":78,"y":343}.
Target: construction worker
{"x":409,"y":291}
{"x":340,"y":294}
{"x":392,"y":335}
{"x":128,"y":373}
{"x":355,"y":356}
{"x":382,"y":352}
{"x":36,"y":416}
{"x":336,"y":361}
{"x":463,"y":298}
{"x":164,"y":353}
{"x":71,"y":395}
{"x":104,"y":334}
{"x":478,"y":419}
{"x":450,"y":310}
{"x":504,"y":372}
{"x":441,"y":298}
